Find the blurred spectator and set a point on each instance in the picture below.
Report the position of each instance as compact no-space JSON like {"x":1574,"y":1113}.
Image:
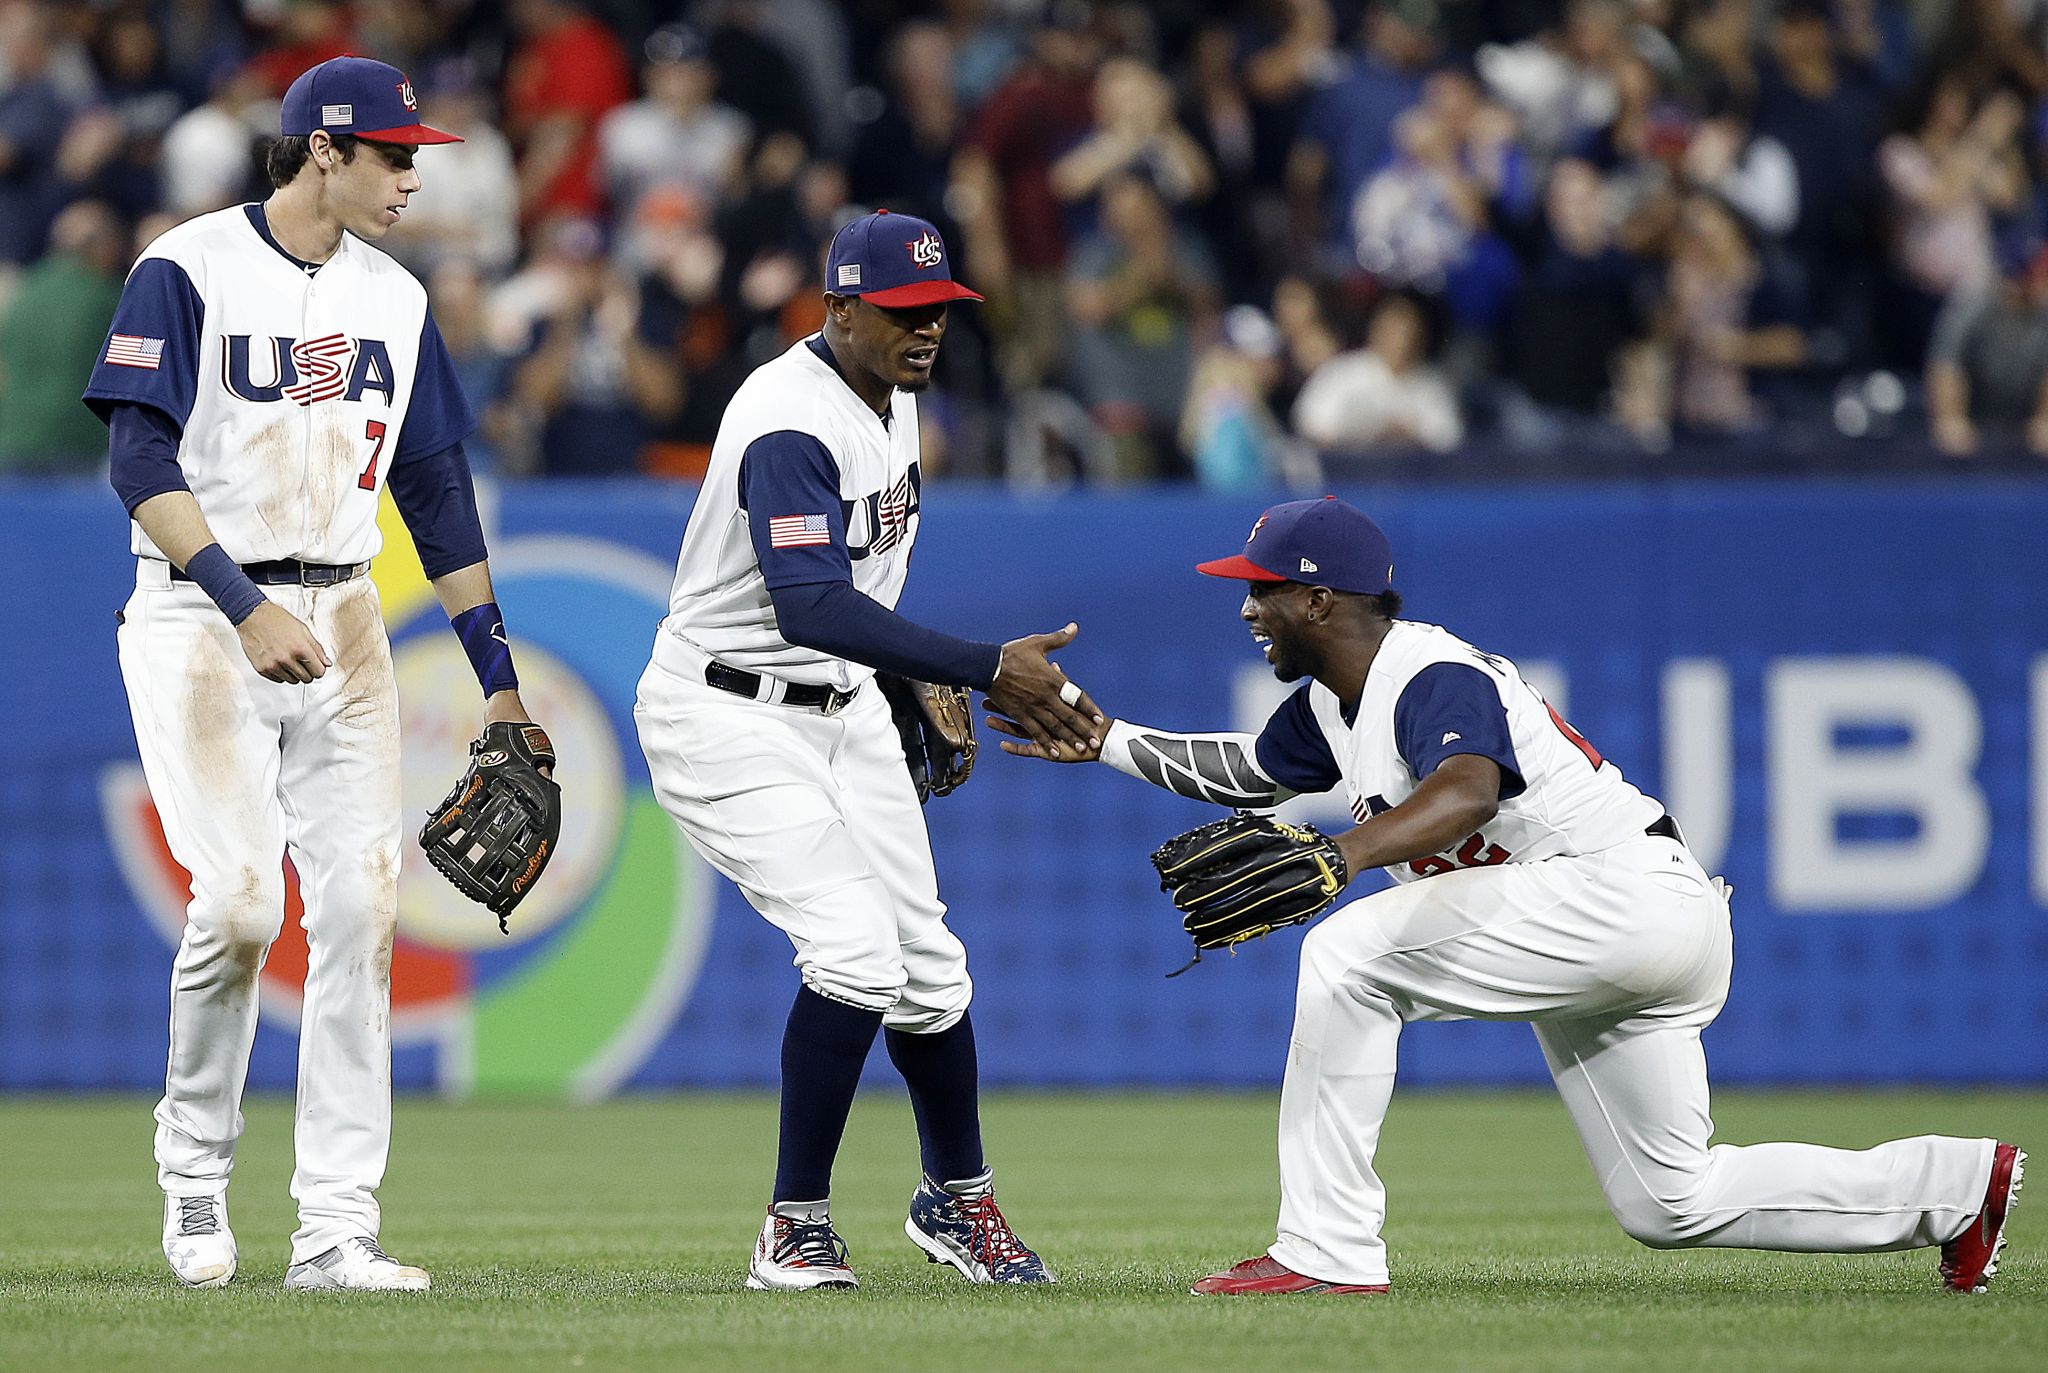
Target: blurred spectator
{"x":774,"y":236}
{"x":1137,"y":291}
{"x":758,"y":73}
{"x":812,"y":34}
{"x":903,"y":157}
{"x":1986,"y":42}
{"x":1015,"y":231}
{"x":1239,"y":218}
{"x":1560,"y":84}
{"x":456,"y":292}
{"x":1384,"y":395}
{"x":1426,"y":220}
{"x":1134,"y":132}
{"x":302,"y":34}
{"x":1576,"y":307}
{"x":1721,"y":318}
{"x":1229,"y":428}
{"x":675,"y":138}
{"x":34,"y":115}
{"x":1946,"y":178}
{"x":1347,"y":125}
{"x":985,"y":47}
{"x":211,"y":156}
{"x":1987,"y":369}
{"x":599,"y":372}
{"x":1828,"y":112}
{"x":468,"y":207}
{"x":1751,"y":171}
{"x":51,"y":336}
{"x":566,"y":73}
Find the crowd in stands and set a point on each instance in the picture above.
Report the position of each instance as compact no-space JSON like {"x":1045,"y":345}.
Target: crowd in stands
{"x":1220,"y":241}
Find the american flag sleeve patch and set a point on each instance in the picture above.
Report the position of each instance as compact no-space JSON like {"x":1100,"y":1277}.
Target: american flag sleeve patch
{"x":798,"y":531}
{"x":132,"y":350}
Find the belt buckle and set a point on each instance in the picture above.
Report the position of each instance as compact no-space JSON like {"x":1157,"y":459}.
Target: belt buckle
{"x":835,"y":701}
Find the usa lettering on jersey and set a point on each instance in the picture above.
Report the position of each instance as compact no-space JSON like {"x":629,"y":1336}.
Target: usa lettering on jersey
{"x":328,"y":368}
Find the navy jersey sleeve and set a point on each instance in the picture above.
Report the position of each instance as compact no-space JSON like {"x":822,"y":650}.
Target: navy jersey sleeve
{"x":1448,"y":709}
{"x":789,"y":487}
{"x":1292,"y":749}
{"x":142,"y":453}
{"x":151,"y":356}
{"x":437,"y":499}
{"x":438,"y":415}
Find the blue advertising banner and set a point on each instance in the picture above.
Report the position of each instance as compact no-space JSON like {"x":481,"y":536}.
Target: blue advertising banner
{"x":1839,"y":688}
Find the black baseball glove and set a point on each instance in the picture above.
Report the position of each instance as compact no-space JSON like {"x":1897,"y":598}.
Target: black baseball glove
{"x":936,"y":724}
{"x":1247,"y":875}
{"x":497,"y":830}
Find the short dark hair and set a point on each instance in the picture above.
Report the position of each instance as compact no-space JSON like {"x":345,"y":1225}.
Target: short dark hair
{"x":287,"y":157}
{"x":1386,"y":605}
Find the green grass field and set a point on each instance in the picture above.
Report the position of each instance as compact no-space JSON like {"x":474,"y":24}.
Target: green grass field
{"x":615,"y":1237}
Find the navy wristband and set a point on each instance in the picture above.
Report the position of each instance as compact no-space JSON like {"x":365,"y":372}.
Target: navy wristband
{"x":481,"y":628}
{"x":229,"y":586}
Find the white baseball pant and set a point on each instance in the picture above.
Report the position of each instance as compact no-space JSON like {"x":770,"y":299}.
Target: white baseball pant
{"x":240,"y":769}
{"x":1619,"y":959}
{"x":815,"y":819}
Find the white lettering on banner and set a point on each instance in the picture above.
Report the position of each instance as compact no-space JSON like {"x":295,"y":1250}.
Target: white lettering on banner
{"x":1812,"y":782}
{"x":1699,"y":766}
{"x":2037,"y":793}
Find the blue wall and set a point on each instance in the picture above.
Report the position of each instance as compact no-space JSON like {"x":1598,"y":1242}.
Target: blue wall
{"x":1837,"y":686}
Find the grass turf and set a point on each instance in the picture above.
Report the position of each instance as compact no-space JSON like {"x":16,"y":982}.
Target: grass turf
{"x":615,"y":1237}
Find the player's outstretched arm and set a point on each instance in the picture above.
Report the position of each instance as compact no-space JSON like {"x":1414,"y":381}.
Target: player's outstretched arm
{"x":1221,"y":768}
{"x":277,"y":643}
{"x":472,"y":608}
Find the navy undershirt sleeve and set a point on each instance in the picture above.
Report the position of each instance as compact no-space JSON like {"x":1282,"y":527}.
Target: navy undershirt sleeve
{"x":1292,"y":750}
{"x":789,"y":487}
{"x":1450,"y":708}
{"x":142,"y":452}
{"x":438,"y":415}
{"x":437,"y":499}
{"x":152,"y":349}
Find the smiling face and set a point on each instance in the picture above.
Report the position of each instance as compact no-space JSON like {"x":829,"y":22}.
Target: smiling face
{"x":1279,"y":616}
{"x":895,"y":347}
{"x":366,"y":194}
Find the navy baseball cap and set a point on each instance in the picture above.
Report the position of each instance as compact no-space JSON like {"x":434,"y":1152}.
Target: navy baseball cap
{"x":892,"y":260}
{"x":1319,"y":543}
{"x":359,"y":96}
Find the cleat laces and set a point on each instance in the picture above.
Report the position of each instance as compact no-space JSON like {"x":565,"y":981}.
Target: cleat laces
{"x":370,"y":1247}
{"x":809,"y":1244}
{"x":197,"y":1216}
{"x":995,"y":1243}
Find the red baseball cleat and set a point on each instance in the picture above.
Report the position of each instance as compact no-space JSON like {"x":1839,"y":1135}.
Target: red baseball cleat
{"x":1970,"y":1260}
{"x":1266,"y":1274}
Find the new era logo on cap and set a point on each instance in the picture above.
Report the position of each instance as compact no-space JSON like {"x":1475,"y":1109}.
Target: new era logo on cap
{"x":1307,"y":566}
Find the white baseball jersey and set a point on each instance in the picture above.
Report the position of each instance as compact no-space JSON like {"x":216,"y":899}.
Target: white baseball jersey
{"x":1569,"y":799}
{"x":720,"y":602}
{"x":296,"y":390}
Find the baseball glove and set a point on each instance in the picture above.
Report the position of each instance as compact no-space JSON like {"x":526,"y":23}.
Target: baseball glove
{"x":936,"y":724}
{"x":493,"y":836}
{"x":1247,"y":875}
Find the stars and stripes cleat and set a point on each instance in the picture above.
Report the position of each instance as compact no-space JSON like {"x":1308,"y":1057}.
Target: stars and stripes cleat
{"x":357,"y":1264}
{"x":1267,"y":1275}
{"x":797,"y":1253}
{"x":197,"y":1241}
{"x":961,"y":1225}
{"x":1970,"y":1260}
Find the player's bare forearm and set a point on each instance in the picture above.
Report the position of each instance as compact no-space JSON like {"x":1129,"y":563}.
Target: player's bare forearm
{"x":276,"y":642}
{"x":175,"y":525}
{"x":1454,"y":801}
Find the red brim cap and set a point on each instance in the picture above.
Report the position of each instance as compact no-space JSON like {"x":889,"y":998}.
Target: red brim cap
{"x":1240,"y":568}
{"x":412,"y":133}
{"x":919,"y":293}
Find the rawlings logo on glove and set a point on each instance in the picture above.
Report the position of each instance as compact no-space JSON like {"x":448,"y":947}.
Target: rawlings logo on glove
{"x":1247,"y":875}
{"x":493,"y":835}
{"x":936,"y":724}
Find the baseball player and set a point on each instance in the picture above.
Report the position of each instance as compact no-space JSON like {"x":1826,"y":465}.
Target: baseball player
{"x":775,"y":751}
{"x":1534,"y":882}
{"x":268,"y":372}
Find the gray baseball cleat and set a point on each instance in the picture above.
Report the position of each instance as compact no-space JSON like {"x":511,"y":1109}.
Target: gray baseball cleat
{"x":197,"y":1241}
{"x":355,"y":1265}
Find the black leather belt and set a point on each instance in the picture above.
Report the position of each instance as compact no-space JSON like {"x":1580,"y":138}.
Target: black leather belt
{"x":809,"y":695}
{"x":1665,"y":828}
{"x":291,"y":572}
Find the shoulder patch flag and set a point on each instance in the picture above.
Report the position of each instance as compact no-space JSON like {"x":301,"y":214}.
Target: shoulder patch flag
{"x":798,"y":531}
{"x":132,"y":350}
